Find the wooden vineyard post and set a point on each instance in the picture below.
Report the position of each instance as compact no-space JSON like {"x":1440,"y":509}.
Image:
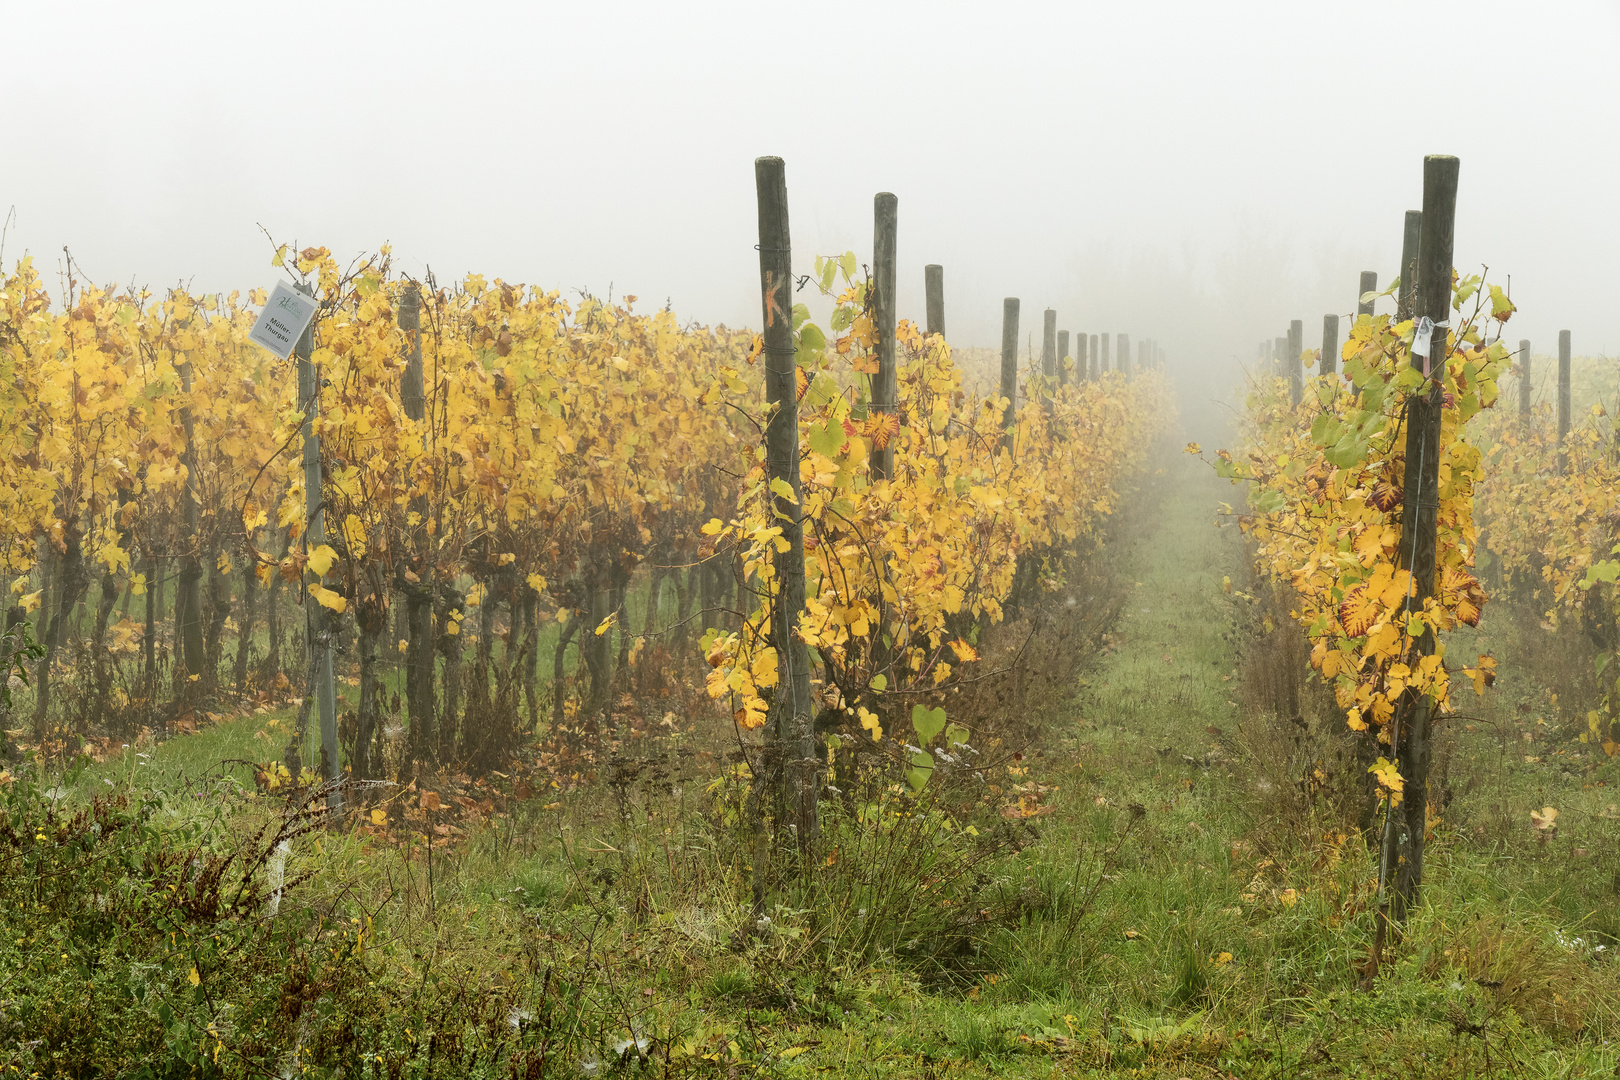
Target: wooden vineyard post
{"x":1062,"y":355}
{"x":1563,"y":402}
{"x":789,"y":738}
{"x":1080,"y":358}
{"x":1102,"y":357}
{"x":934,"y":292}
{"x":1279,"y":349}
{"x":1009,"y":368}
{"x":1411,"y":269}
{"x":1431,"y":299}
{"x":317,"y":619}
{"x":885,"y":212}
{"x":1048,"y":355}
{"x":419,"y":657}
{"x":1122,"y":355}
{"x":187,"y":598}
{"x":1330,"y":344}
{"x":1524,"y":379}
{"x":1296,"y":367}
{"x":1369,"y":284}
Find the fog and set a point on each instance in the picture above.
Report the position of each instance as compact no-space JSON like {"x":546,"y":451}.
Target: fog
{"x":1195,"y":173}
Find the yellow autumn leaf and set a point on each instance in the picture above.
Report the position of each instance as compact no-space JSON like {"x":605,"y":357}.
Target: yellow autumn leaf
{"x":379,"y":816}
{"x":763,"y":668}
{"x":1389,"y":777}
{"x":354,"y":534}
{"x":195,"y":977}
{"x":783,"y":490}
{"x":869,"y":721}
{"x":321,"y":557}
{"x":328,"y":599}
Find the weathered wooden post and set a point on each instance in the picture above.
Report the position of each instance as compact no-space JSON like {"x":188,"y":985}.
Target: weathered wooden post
{"x":187,"y":593}
{"x":419,"y":654}
{"x":1330,"y":344}
{"x":1049,"y":354}
{"x":317,"y":620}
{"x":1062,"y":355}
{"x":885,"y":217}
{"x":1411,"y":269}
{"x":1524,"y":379}
{"x":1009,"y":369}
{"x":1563,"y":401}
{"x":1099,"y":357}
{"x":1431,"y":302}
{"x":1369,"y":284}
{"x":1122,"y":358}
{"x":1049,"y":343}
{"x":1295,"y":365}
{"x":1080,"y":358}
{"x":789,"y":736}
{"x":1279,"y":350}
{"x":934,"y":291}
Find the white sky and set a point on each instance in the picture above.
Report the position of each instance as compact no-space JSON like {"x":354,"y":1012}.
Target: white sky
{"x":1196,"y":172}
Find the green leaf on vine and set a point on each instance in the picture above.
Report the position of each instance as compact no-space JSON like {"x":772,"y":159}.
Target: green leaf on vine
{"x":927,"y":722}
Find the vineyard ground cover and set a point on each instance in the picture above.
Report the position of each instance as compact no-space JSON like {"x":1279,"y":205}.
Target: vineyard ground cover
{"x":1155,"y":917}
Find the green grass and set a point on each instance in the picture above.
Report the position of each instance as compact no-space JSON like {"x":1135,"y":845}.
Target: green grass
{"x":1175,"y":914}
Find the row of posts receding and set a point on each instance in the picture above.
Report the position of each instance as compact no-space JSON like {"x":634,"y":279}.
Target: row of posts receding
{"x":789,"y":762}
{"x":1285,"y":354}
{"x":1091,"y":353}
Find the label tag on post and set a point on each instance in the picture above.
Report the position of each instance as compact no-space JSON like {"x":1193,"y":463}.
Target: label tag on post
{"x":1422,"y":341}
{"x":283,"y":320}
{"x":1422,"y":337}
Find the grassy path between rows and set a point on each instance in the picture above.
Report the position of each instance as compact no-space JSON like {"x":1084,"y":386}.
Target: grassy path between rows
{"x":1215,"y":937}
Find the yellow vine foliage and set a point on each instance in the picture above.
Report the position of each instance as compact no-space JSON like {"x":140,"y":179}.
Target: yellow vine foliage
{"x":554,"y":435}
{"x":562,"y":446}
{"x":903,"y":573}
{"x":1551,"y":519}
{"x":1325,"y":508}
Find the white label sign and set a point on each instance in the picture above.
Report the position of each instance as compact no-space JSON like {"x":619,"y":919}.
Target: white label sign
{"x":283,"y":319}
